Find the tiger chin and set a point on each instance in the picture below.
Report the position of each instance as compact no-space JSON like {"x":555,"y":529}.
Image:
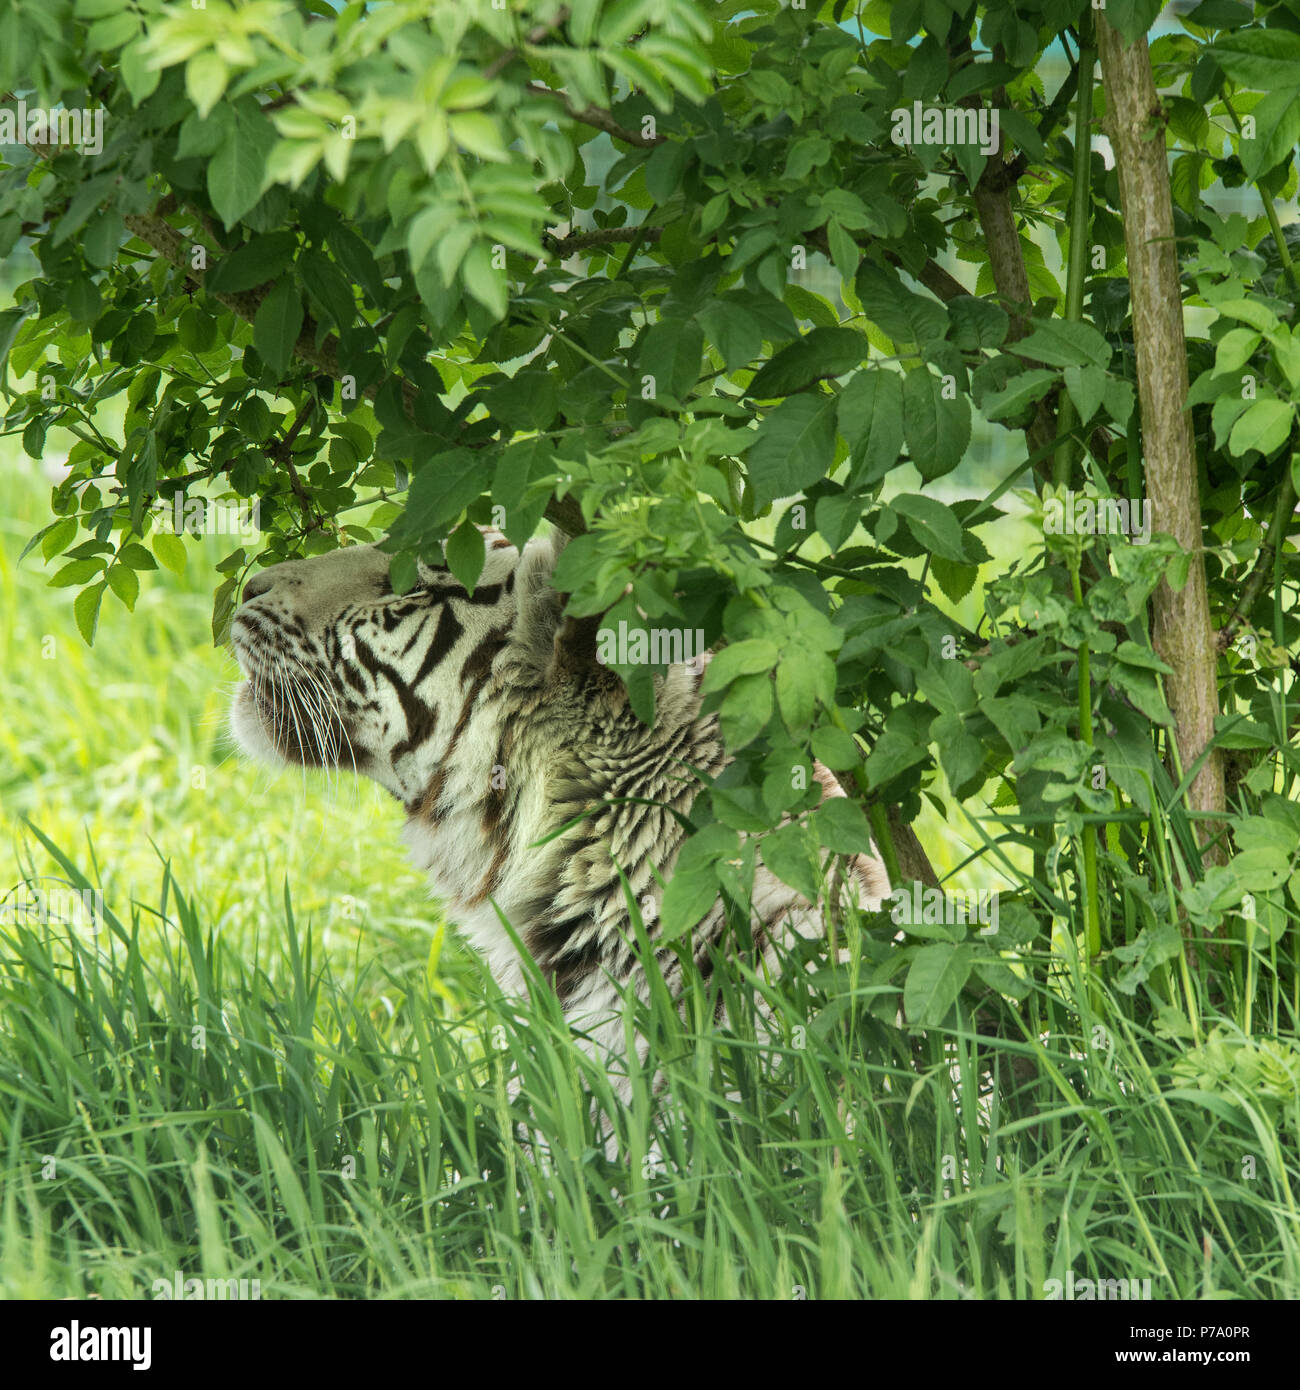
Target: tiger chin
{"x":490,"y":718}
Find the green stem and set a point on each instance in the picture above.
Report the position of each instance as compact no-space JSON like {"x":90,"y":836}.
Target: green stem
{"x":883,"y":836}
{"x":1080,"y":247}
{"x":1092,"y":904}
{"x":1076,"y":276}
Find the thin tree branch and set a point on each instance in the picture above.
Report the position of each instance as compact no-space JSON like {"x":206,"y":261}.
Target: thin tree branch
{"x":608,"y":236}
{"x":598,"y":118}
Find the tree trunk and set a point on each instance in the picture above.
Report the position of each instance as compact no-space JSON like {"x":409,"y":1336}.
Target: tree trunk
{"x":1182,"y":631}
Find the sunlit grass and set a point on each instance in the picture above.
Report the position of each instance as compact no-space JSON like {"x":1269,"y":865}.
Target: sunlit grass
{"x":127,"y":744}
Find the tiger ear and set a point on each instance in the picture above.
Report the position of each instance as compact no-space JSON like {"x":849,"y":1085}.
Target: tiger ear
{"x":577,"y":642}
{"x":575,"y":661}
{"x":565,"y":647}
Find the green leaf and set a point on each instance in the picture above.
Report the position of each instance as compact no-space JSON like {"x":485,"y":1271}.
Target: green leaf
{"x":1015,"y":719}
{"x":1119,"y":401}
{"x":934,"y":981}
{"x":85,"y":608}
{"x":1266,"y":59}
{"x":836,"y":748}
{"x":526,"y":401}
{"x":236,"y":170}
{"x":1131,"y":654}
{"x":11,"y":322}
{"x":223,"y":606}
{"x":870,"y":415}
{"x":1251,"y":311}
{"x":933,"y":523}
{"x":358,"y":261}
{"x":670,"y":352}
{"x":837,"y":514}
{"x":752,"y":657}
{"x":892,"y":755}
{"x":82,"y":298}
{"x":442,"y":488}
{"x":841,"y":826}
{"x":170,"y":550}
{"x":956,"y":580}
{"x":1023,"y":389}
{"x":59,"y":537}
{"x":328,"y":288}
{"x":1064,"y":343}
{"x":689,"y":896}
{"x":746,"y":709}
{"x":487,"y":285}
{"x":1140,"y":687}
{"x":125,"y":585}
{"x":806,"y":154}
{"x":138,"y":73}
{"x":76,"y":572}
{"x":197,"y":330}
{"x":774,"y":318}
{"x":960,"y":755}
{"x":1277,"y":127}
{"x":277,"y":326}
{"x":1006,"y":665}
{"x":466,"y":554}
{"x":1154,"y":945}
{"x":34,"y":439}
{"x":254,"y":263}
{"x":733,"y":330}
{"x":205,"y":80}
{"x":803,"y":677}
{"x":1132,"y":18}
{"x":1220,"y":14}
{"x":976,"y":323}
{"x":1233,"y":350}
{"x":664,"y":170}
{"x":844,"y":250}
{"x":403,"y":572}
{"x":789,"y":854}
{"x":794,"y":447}
{"x":1190,"y":174}
{"x":1265,"y":426}
{"x":136,"y":557}
{"x":937,"y":428}
{"x":479,"y":133}
{"x":1086,"y":386}
{"x":900,"y":313}
{"x":822,"y":352}
{"x":999,"y":976}
{"x":806,"y":304}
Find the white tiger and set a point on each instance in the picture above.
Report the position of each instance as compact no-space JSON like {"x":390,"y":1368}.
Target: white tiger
{"x":488,"y":717}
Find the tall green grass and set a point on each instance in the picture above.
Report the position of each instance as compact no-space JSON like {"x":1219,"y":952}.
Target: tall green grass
{"x":167,"y":1104}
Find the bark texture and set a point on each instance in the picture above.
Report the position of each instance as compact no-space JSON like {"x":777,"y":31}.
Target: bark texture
{"x":992,"y":197}
{"x":1182,"y":632}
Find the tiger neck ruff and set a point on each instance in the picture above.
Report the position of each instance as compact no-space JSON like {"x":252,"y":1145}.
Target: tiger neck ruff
{"x":488,"y":716}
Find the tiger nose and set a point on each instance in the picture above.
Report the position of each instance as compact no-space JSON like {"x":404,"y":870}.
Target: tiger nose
{"x":258,"y":584}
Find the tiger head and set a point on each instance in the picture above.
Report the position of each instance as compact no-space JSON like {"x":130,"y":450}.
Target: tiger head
{"x":342,"y":672}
